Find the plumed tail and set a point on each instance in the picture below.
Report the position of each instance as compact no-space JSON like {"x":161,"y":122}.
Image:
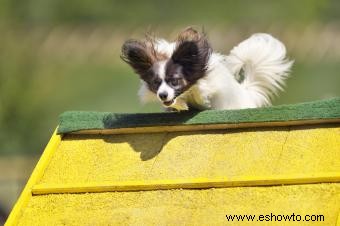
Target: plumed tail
{"x":261,"y":60}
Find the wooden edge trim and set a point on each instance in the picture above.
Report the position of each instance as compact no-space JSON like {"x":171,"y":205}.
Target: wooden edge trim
{"x":182,"y":128}
{"x":196,"y":183}
{"x":34,"y":178}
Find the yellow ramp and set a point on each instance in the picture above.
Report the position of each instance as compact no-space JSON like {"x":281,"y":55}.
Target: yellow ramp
{"x":280,"y":172}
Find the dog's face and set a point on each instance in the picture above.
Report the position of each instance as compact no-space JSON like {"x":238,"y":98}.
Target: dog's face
{"x":169,"y":77}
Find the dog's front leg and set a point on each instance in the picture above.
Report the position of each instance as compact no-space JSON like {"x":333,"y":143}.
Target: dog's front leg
{"x":180,"y":105}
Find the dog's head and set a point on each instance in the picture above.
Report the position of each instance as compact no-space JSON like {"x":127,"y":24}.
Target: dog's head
{"x":168,"y":77}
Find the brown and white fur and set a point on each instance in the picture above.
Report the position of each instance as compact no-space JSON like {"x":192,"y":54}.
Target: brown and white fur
{"x":188,"y":74}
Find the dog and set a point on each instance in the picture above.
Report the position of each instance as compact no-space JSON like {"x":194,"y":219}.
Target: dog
{"x":188,"y":74}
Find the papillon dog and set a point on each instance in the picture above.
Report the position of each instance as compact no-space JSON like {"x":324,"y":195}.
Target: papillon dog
{"x":187,"y":73}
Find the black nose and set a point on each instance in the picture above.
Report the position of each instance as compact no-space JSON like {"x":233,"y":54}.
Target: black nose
{"x":163,"y":96}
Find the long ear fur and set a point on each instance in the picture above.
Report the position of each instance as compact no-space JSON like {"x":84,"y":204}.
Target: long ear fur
{"x":138,"y":56}
{"x":192,"y":53}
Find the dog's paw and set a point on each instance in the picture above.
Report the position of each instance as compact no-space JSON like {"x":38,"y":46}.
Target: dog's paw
{"x":180,"y":105}
{"x":169,"y":109}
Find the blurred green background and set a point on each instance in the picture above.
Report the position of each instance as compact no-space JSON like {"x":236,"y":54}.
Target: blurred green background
{"x":58,"y":55}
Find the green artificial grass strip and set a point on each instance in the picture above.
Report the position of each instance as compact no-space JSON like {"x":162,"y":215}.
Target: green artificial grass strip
{"x":73,"y":121}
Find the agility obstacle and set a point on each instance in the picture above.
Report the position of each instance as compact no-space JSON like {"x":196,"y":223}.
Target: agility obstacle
{"x":189,"y":168}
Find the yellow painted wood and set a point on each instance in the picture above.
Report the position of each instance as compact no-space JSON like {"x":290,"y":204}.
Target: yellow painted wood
{"x":185,"y":207}
{"x":258,"y":152}
{"x":36,"y":176}
{"x":196,"y":183}
{"x":183,"y":128}
{"x":191,"y":177}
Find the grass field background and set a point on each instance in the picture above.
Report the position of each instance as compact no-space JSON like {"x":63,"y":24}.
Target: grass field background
{"x":58,"y":55}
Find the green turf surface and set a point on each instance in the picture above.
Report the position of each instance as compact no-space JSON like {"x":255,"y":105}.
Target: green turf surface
{"x":81,"y":120}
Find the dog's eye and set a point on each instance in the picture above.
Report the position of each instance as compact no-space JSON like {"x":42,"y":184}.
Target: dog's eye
{"x":174,"y":82}
{"x":156,"y":82}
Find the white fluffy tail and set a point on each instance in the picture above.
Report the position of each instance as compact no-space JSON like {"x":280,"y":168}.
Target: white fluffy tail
{"x":263,"y":61}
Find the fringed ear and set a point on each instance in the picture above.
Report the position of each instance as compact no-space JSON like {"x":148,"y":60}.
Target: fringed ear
{"x":138,"y":55}
{"x":192,"y":53}
{"x":189,"y":34}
